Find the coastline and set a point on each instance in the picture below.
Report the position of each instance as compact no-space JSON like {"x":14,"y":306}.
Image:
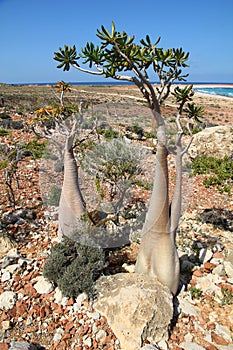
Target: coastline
{"x":212,"y":86}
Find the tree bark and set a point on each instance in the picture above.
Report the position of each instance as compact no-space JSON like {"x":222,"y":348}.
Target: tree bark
{"x":157,"y":255}
{"x":72,"y":205}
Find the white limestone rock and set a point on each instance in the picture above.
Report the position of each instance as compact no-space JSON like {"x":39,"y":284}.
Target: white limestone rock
{"x":43,"y":286}
{"x":137,"y":308}
{"x":7,"y":300}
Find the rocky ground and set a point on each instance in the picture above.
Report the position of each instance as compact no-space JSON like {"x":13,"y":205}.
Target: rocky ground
{"x":34,"y":314}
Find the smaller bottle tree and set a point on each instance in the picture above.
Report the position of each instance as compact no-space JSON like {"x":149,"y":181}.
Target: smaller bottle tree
{"x":120,"y":57}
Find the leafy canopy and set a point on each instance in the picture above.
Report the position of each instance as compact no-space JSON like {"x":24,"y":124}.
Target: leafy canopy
{"x":119,"y":54}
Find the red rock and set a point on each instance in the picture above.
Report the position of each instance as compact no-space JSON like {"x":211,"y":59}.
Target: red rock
{"x":193,"y":282}
{"x":211,"y":326}
{"x":197,"y":273}
{"x":70,"y":302}
{"x":4,"y":346}
{"x":218,"y":255}
{"x":17,"y":278}
{"x":21,"y":308}
{"x":69,"y":326}
{"x":209,"y":266}
{"x":4,"y":316}
{"x":201,"y":320}
{"x":218,"y":339}
{"x":66,"y":336}
{"x":42,"y":311}
{"x":173,"y":337}
{"x":28,"y":277}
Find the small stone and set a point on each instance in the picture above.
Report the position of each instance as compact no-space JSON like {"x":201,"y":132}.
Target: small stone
{"x":87,"y":342}
{"x":7,"y":300}
{"x":17,"y":345}
{"x":76,"y":307}
{"x":57,"y":336}
{"x":129,"y":268}
{"x":81,"y":297}
{"x":228,"y":268}
{"x":59,"y":298}
{"x":209,"y":266}
{"x":222,"y":331}
{"x":218,"y":255}
{"x":6,"y":325}
{"x":95,"y":316}
{"x":13,"y":268}
{"x":3,"y":346}
{"x":6,"y":276}
{"x":43,"y":286}
{"x":187,"y":308}
{"x":197,"y":273}
{"x":219,"y":270}
{"x":205,"y":255}
{"x":100,"y":335}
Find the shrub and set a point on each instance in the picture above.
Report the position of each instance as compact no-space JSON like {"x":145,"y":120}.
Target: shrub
{"x":221,"y":171}
{"x":74,"y":267}
{"x":36,"y":148}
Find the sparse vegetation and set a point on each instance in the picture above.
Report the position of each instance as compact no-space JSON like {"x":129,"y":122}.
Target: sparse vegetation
{"x":220,"y":171}
{"x":195,"y":292}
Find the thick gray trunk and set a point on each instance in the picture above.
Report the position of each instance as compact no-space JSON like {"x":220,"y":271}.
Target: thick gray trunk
{"x":157,"y":255}
{"x":72,"y":205}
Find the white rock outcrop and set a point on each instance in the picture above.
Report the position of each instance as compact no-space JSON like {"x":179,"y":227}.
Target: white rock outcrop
{"x":137,"y":308}
{"x":216,"y":141}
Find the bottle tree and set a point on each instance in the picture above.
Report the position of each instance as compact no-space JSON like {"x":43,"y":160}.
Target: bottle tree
{"x":120,"y":57}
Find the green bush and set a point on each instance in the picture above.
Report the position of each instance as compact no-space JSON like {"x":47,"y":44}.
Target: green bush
{"x":36,"y":148}
{"x":74,"y":267}
{"x":221,"y":171}
{"x":4,"y":132}
{"x":109,"y":134}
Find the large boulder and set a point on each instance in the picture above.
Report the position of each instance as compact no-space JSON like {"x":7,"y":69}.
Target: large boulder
{"x":216,"y":142}
{"x":137,"y":308}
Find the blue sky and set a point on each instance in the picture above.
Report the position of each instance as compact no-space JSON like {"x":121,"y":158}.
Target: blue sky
{"x":31,"y":30}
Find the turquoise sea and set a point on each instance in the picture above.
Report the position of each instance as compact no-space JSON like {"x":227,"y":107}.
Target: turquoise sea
{"x":223,"y":91}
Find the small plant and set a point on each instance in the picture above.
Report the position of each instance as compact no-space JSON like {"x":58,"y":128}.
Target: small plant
{"x":4,"y":132}
{"x":74,"y":267}
{"x":36,"y":148}
{"x":220,"y":170}
{"x":227,"y":296}
{"x":109,"y":134}
{"x":195,"y":292}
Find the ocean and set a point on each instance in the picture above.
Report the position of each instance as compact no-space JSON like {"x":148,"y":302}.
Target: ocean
{"x":223,"y":91}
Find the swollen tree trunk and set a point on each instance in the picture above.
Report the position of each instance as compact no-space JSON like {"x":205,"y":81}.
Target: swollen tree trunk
{"x":157,"y":255}
{"x":71,"y":205}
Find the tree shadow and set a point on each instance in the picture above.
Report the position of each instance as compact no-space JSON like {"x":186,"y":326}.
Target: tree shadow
{"x":219,"y":218}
